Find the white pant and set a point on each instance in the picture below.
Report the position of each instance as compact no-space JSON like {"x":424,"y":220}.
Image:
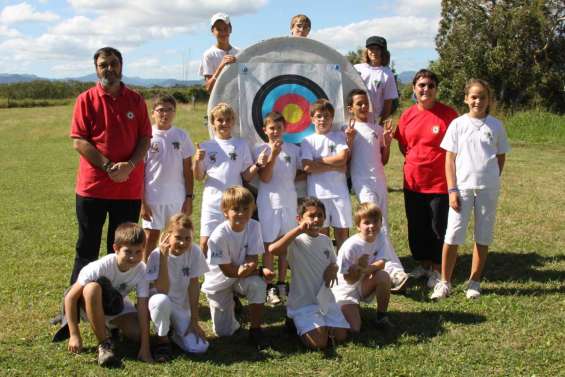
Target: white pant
{"x":164,"y":313}
{"x":338,"y":212}
{"x":222,"y":304}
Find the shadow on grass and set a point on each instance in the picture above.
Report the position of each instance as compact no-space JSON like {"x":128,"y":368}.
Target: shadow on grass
{"x":423,"y":325}
{"x":519,"y":267}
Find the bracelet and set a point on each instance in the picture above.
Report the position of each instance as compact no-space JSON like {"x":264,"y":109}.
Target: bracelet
{"x":452,"y":190}
{"x":191,"y":196}
{"x":131,"y":164}
{"x":107,"y":165}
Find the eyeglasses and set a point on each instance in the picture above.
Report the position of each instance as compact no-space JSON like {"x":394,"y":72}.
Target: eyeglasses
{"x":164,"y":110}
{"x":430,"y":85}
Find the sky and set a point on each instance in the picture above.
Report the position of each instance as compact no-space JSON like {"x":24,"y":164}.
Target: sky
{"x":165,"y":39}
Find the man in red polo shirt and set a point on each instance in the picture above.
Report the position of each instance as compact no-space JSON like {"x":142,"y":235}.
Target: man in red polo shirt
{"x":111,"y":132}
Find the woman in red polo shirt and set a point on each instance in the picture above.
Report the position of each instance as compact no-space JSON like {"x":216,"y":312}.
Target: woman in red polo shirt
{"x":420,"y":131}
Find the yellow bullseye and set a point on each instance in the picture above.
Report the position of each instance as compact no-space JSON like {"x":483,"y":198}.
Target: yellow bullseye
{"x":292,"y":113}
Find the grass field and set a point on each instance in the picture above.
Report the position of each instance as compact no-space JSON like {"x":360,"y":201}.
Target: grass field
{"x":517,"y":328}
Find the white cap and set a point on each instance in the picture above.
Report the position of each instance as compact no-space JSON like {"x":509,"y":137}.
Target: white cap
{"x":219,"y":17}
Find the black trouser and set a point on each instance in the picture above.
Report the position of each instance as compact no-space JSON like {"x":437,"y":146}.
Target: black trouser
{"x":427,"y":220}
{"x":91,"y":215}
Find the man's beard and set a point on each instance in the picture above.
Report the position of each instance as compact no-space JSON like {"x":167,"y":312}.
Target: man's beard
{"x":111,"y":80}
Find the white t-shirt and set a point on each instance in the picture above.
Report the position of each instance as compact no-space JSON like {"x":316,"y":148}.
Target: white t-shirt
{"x":280,"y":191}
{"x":354,"y":248}
{"x":476,"y":143}
{"x":226,"y":246}
{"x":366,"y":166}
{"x":331,"y":184}
{"x":224,"y":162}
{"x":123,"y":282}
{"x":381,"y":85}
{"x":182,"y":268}
{"x":164,"y":171}
{"x":212,"y":58}
{"x":308,"y":258}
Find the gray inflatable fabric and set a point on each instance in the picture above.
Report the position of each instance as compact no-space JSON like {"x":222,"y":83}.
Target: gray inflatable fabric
{"x":279,"y":50}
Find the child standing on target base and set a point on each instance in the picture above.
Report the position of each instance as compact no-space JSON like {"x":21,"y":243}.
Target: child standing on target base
{"x":369,"y":144}
{"x":168,"y":172}
{"x":173,"y":270}
{"x":300,"y":26}
{"x":324,"y":159}
{"x":276,"y":199}
{"x":221,"y":162}
{"x":311,"y":257}
{"x":476,"y":145}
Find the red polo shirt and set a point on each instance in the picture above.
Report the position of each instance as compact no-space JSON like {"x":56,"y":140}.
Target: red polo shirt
{"x":113,"y":125}
{"x":420,"y":132}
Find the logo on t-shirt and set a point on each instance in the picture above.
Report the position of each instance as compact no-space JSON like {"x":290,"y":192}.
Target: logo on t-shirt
{"x":488,"y":136}
{"x":327,"y":254}
{"x":435,"y":129}
{"x":233,"y":156}
{"x":123,"y":287}
{"x":130,"y":115}
{"x":217,"y":253}
{"x":213,"y":157}
{"x":154,"y":148}
{"x":185,"y":271}
{"x":332,"y":148}
{"x":176,"y":145}
{"x":287,"y":159}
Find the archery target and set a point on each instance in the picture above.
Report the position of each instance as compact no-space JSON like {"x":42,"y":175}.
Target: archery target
{"x":290,"y":95}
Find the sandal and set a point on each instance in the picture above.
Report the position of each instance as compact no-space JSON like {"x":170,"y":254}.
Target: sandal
{"x":162,"y":352}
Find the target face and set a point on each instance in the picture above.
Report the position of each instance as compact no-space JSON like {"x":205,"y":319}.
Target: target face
{"x":290,"y":95}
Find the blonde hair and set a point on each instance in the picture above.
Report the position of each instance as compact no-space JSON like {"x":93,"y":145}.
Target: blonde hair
{"x":180,"y":220}
{"x":237,"y":196}
{"x":300,"y":18}
{"x":474,"y":82}
{"x":367,"y":211}
{"x":129,"y":234}
{"x":224,"y":109}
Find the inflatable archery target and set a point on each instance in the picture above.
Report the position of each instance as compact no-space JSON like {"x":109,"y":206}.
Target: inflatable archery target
{"x":284,"y":75}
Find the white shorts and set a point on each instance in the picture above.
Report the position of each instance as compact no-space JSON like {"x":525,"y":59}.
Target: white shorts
{"x":376,"y":195}
{"x":128,"y":308}
{"x":483,"y":203}
{"x":210,"y":218}
{"x":309,"y":317}
{"x":222,"y":304}
{"x":160,"y":214}
{"x":276,"y":222}
{"x":165,"y":314}
{"x":338,"y":212}
{"x":351,"y":294}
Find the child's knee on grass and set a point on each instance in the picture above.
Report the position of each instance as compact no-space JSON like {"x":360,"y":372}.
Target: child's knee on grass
{"x":352,"y":316}
{"x":340,"y":334}
{"x":317,"y":338}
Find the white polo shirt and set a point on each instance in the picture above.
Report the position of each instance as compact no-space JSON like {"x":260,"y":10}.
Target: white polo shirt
{"x":366,"y":165}
{"x":476,"y":142}
{"x":381,"y":84}
{"x":212,"y":58}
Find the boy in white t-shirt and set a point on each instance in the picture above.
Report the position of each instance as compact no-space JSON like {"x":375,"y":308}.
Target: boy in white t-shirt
{"x":324,"y":159}
{"x":233,"y":256}
{"x":219,"y":55}
{"x":173,"y":270}
{"x":168,"y":172}
{"x":125,"y":272}
{"x":361,"y":264}
{"x":276,"y":199}
{"x":370,"y":149}
{"x":221,"y":162}
{"x":311,"y":257}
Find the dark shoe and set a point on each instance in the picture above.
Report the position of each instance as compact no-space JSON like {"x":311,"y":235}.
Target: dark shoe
{"x":106,"y":356}
{"x":257,"y":338}
{"x":238,"y":309}
{"x":162,"y":352}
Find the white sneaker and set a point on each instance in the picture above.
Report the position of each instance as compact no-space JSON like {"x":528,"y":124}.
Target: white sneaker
{"x":419,"y":272}
{"x":441,"y":290}
{"x":398,"y":280}
{"x":273,"y":296}
{"x":433,"y":279}
{"x":473,"y":289}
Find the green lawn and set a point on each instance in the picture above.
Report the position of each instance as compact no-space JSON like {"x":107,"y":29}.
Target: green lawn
{"x":517,"y":328}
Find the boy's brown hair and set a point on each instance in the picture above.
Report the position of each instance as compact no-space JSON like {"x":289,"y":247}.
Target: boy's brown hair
{"x":300,"y":18}
{"x":222,"y":109}
{"x":129,"y":234}
{"x":322,"y":105}
{"x":273,"y":117}
{"x":310,"y":201}
{"x":163,"y":98}
{"x":180,"y":220}
{"x":237,"y":196}
{"x":367,"y":210}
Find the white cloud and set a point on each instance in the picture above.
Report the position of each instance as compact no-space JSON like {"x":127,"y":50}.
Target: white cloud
{"x":151,"y":67}
{"x":419,"y":8}
{"x":9,"y":33}
{"x":24,"y":12}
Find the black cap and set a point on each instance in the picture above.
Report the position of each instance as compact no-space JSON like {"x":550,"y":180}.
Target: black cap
{"x":376,"y":40}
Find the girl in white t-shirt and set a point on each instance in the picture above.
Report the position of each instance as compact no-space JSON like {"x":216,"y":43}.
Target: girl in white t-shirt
{"x":173,"y":270}
{"x":378,"y":77}
{"x":476,"y":146}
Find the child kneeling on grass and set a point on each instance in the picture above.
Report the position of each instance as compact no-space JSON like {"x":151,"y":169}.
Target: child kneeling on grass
{"x":125,"y":271}
{"x":361,"y":263}
{"x":173,"y":270}
{"x":311,"y":257}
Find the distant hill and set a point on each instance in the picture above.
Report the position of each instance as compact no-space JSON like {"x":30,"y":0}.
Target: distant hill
{"x":406,"y":77}
{"x":7,"y":78}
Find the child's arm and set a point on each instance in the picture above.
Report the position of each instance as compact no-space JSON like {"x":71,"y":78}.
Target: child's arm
{"x":451,"y":180}
{"x":248,"y":268}
{"x":350,"y":133}
{"x":198,"y":169}
{"x":162,"y":282}
{"x":501,"y":160}
{"x":144,"y":353}
{"x":280,"y":246}
{"x":71,"y":314}
{"x":253,"y":169}
{"x":338,"y":160}
{"x":387,"y":110}
{"x":145,"y":212}
{"x":211,"y":80}
{"x":387,"y":140}
{"x":188,"y":185}
{"x":266,"y":172}
{"x":193,"y":299}
{"x":330,"y":275}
